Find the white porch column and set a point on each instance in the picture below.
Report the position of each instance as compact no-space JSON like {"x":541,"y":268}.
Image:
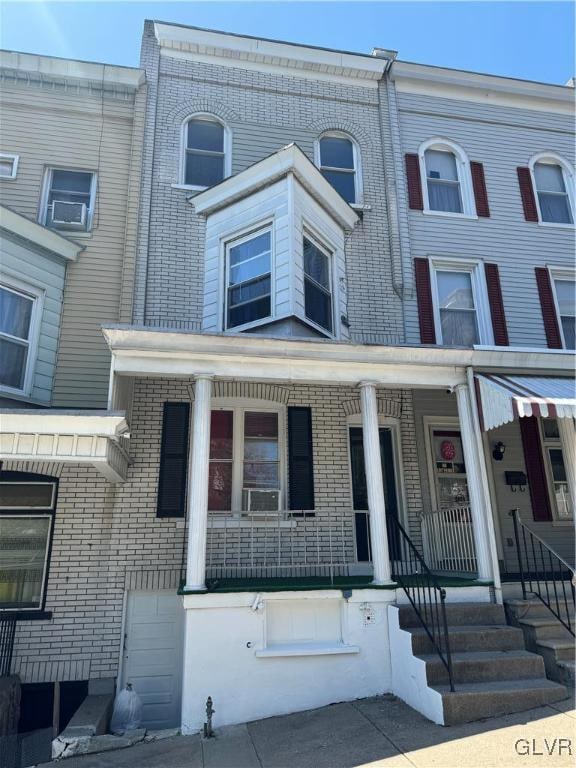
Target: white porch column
{"x":198,"y":485}
{"x":480,"y":505}
{"x":375,"y":484}
{"x":568,"y":442}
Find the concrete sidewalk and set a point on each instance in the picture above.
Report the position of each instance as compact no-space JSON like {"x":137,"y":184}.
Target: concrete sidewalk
{"x":381,"y":732}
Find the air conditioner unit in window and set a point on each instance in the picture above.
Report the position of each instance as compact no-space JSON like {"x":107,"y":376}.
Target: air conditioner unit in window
{"x":259,"y":500}
{"x":67,"y":214}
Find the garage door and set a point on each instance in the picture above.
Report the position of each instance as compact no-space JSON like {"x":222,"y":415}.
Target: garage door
{"x":153,"y":655}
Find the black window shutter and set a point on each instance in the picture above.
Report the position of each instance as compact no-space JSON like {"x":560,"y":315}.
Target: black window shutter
{"x":173,"y":460}
{"x":300,"y":458}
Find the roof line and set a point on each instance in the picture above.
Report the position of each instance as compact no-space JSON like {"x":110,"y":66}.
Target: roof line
{"x":77,"y":61}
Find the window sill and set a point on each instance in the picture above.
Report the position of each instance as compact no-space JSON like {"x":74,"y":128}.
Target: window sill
{"x":27,"y":615}
{"x":306,"y":649}
{"x":8,"y":178}
{"x":449,"y":215}
{"x":188,"y":187}
{"x":552,"y":225}
{"x":236,"y":523}
{"x":360,"y":207}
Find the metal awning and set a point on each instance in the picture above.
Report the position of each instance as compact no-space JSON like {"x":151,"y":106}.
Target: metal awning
{"x":503,"y":398}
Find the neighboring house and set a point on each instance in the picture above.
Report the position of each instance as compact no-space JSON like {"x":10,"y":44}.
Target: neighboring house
{"x":299,"y":382}
{"x":70,"y":162}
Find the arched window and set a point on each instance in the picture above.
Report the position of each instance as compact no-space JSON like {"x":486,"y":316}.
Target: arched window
{"x":338,"y":158}
{"x":205,"y":151}
{"x":553,"y":184}
{"x":445,"y":170}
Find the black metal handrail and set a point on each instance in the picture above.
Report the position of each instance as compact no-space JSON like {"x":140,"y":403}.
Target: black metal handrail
{"x":7,"y":633}
{"x":544,"y":574}
{"x":426,"y":596}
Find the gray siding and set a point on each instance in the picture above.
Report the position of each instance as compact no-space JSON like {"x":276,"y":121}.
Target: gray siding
{"x":502,"y":139}
{"x":22,"y":261}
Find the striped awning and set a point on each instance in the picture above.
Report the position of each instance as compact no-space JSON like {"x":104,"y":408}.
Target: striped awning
{"x":503,"y":398}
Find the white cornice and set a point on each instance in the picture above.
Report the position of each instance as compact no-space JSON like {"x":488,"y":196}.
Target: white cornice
{"x":290,"y":159}
{"x":143,"y":352}
{"x":39,"y":235}
{"x":474,"y":86}
{"x":269,"y":55}
{"x":50,"y":67}
{"x":50,"y":421}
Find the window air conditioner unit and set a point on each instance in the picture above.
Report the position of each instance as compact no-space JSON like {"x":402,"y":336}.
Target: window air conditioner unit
{"x":68,"y":214}
{"x":259,"y":500}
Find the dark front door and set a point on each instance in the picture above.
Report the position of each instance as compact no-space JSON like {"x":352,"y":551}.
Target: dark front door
{"x":360,"y":493}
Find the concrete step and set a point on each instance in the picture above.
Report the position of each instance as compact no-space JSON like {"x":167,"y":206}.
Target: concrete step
{"x":458,"y":614}
{"x":535,"y":608}
{"x":562,"y":649}
{"x":543,"y":628}
{"x":566,"y":673}
{"x":484,"y":666}
{"x":474,"y":701}
{"x":471,"y":638}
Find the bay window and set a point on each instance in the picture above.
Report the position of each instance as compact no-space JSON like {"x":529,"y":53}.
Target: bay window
{"x":19,"y":310}
{"x":248,"y":279}
{"x":245,"y":460}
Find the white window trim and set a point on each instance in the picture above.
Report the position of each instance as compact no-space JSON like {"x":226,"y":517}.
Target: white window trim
{"x":551,"y":158}
{"x":554,"y":443}
{"x":47,"y":185}
{"x":239,"y":407}
{"x":475,"y":267}
{"x":357,"y":157}
{"x":464,"y":178}
{"x":181,"y":184}
{"x":15,"y":159}
{"x":37,"y":294}
{"x":560,"y":273}
{"x":312,"y":234}
{"x":240,"y":236}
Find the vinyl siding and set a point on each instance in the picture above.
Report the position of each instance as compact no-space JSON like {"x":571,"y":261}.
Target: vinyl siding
{"x":83,"y":128}
{"x":40,"y":270}
{"x":502,"y":139}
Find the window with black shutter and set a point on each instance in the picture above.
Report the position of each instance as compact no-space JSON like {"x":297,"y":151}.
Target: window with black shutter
{"x":300,"y":458}
{"x":173,"y":460}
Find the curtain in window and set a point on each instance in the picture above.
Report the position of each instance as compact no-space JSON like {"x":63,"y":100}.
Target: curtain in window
{"x":458,"y":328}
{"x":443,"y":182}
{"x":457,"y":311}
{"x":15,"y":319}
{"x":554,"y":203}
{"x":566,"y":297}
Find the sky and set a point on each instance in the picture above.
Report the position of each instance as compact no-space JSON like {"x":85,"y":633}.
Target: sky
{"x":531,"y":40}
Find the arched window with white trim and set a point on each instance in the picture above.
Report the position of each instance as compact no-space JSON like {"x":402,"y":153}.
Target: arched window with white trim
{"x":338,"y":157}
{"x":205,"y":151}
{"x":447,"y":184}
{"x":553,"y":182}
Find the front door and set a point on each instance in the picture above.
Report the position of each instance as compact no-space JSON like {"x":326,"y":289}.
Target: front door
{"x":152,"y":659}
{"x":360,"y":492}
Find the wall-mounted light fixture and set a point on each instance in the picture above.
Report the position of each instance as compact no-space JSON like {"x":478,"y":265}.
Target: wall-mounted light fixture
{"x":498,"y":451}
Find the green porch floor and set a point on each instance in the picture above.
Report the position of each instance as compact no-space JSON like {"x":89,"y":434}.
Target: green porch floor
{"x":303,"y":583}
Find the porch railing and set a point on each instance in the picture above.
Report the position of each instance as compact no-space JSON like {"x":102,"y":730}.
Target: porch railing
{"x":7,"y":633}
{"x":281,"y":544}
{"x":422,"y":588}
{"x":544,"y":574}
{"x":448,"y":540}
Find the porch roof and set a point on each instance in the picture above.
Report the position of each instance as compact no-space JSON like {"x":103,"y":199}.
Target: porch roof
{"x":141,"y":351}
{"x":77,"y":437}
{"x":502,"y":398}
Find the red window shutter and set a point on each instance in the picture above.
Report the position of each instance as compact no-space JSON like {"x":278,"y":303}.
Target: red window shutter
{"x":414,"y":182}
{"x":424,"y":297}
{"x":496,"y":305}
{"x":527,"y":194}
{"x":480,"y":191}
{"x":551,"y":327}
{"x":535,"y":470}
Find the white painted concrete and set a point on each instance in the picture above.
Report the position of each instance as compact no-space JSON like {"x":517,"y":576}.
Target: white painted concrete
{"x":225,"y":632}
{"x":409,"y":672}
{"x":480,"y":594}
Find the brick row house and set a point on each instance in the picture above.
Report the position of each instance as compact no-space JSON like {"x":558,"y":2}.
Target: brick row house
{"x":341,"y":353}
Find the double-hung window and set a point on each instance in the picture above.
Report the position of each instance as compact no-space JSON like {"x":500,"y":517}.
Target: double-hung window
{"x":8,"y":166}
{"x":204,"y":152}
{"x":565,"y":290}
{"x":318,"y":284}
{"x":244,"y":473}
{"x":18,"y":326}
{"x":248,"y":279}
{"x":460,"y":304}
{"x":69,"y":200}
{"x":556,"y":469}
{"x":443,"y":182}
{"x":26,"y":517}
{"x":338,"y":162}
{"x":551,"y":189}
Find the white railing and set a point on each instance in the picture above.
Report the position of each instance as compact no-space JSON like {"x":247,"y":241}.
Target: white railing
{"x":281,"y":544}
{"x":448,"y":541}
